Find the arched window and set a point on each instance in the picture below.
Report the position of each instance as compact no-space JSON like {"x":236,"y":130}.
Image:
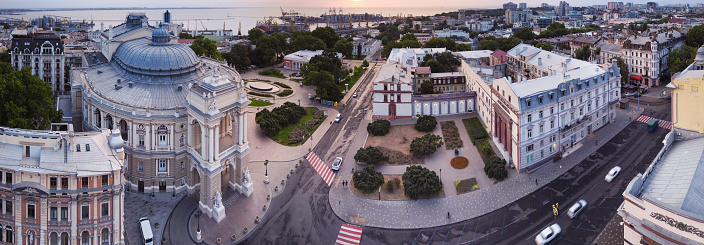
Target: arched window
{"x":9,"y":234}
{"x":85,"y":238}
{"x":105,"y":236}
{"x":64,"y":238}
{"x":163,"y":135}
{"x":54,"y":239}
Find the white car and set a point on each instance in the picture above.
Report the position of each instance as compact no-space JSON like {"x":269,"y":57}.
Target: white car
{"x":354,"y":95}
{"x":576,"y":208}
{"x":337,"y":163}
{"x":548,"y":234}
{"x":612,"y":174}
{"x":338,"y":118}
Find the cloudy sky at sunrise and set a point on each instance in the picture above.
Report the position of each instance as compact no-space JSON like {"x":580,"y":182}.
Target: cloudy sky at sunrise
{"x":291,"y":3}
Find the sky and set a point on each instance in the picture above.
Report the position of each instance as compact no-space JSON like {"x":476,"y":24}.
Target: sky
{"x":288,"y":4}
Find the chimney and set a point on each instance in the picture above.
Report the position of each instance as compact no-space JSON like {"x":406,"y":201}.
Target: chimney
{"x":110,"y":32}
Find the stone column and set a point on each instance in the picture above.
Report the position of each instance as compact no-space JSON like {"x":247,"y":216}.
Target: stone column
{"x":217,"y":143}
{"x":172,"y":131}
{"x":211,"y":141}
{"x":240,"y":129}
{"x":203,"y":153}
{"x":245,"y":127}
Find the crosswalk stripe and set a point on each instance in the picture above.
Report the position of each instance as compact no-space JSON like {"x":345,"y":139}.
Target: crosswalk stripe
{"x":661,"y":123}
{"x":350,"y":228}
{"x":349,"y":235}
{"x":320,"y":167}
{"x":344,"y":243}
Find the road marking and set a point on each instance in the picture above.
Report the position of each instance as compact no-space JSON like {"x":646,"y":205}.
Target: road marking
{"x":460,"y":239}
{"x":349,"y":234}
{"x":491,"y":222}
{"x":321,"y":168}
{"x":337,"y":181}
{"x":475,"y":229}
{"x":503,"y":224}
{"x":662,"y":123}
{"x":583,"y":229}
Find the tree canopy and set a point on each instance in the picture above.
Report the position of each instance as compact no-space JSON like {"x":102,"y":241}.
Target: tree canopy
{"x":420,"y":182}
{"x":368,"y":179}
{"x":695,"y":36}
{"x":427,"y":87}
{"x":442,"y":62}
{"x":344,"y":47}
{"x":27,"y":100}
{"x":301,"y":40}
{"x":327,"y":35}
{"x":426,"y":123}
{"x":545,"y":46}
{"x":679,"y":59}
{"x":583,"y":53}
{"x":206,"y":47}
{"x":525,"y":33}
{"x":623,"y":69}
{"x":238,"y":56}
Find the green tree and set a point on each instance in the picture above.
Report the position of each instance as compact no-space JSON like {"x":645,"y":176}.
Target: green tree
{"x":368,"y":179}
{"x":545,"y":46}
{"x":379,"y":127}
{"x":496,"y":168}
{"x":525,"y":33}
{"x":206,"y":47}
{"x":254,"y":34}
{"x":238,"y":56}
{"x":426,"y":123}
{"x":370,"y":155}
{"x":365,"y":63}
{"x":185,"y":35}
{"x":327,"y":61}
{"x":344,"y":47}
{"x":623,"y":69}
{"x":488,"y":44}
{"x":434,"y":65}
{"x":5,"y":56}
{"x":267,"y":50}
{"x":449,"y":62}
{"x":583,"y":53}
{"x":462,"y":47}
{"x":304,"y":40}
{"x":427,"y":87}
{"x":425,"y":145}
{"x":680,"y":59}
{"x":327,"y":34}
{"x":440,"y":43}
{"x":420,"y":182}
{"x":27,"y":100}
{"x":695,"y":36}
{"x":409,"y":36}
{"x":269,"y":122}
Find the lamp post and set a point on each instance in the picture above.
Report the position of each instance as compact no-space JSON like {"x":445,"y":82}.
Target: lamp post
{"x":266,"y":171}
{"x":174,"y":194}
{"x":198,"y":214}
{"x":152,"y":188}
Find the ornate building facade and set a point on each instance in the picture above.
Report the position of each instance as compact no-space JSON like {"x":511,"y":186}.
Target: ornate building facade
{"x":43,"y":52}
{"x":182,"y":117}
{"x":61,"y":187}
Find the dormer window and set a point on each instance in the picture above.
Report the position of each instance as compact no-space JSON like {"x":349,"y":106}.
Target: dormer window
{"x":540,"y":99}
{"x":528,"y":102}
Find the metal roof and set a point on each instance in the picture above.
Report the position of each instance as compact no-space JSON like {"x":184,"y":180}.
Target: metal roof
{"x":142,"y":56}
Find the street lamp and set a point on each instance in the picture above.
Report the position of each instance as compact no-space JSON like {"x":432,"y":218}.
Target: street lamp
{"x":152,"y":188}
{"x":174,"y":195}
{"x":266,"y":171}
{"x":198,"y":214}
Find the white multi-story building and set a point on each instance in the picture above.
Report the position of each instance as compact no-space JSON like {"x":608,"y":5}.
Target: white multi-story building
{"x":456,"y":35}
{"x":44,"y":52}
{"x":555,"y":102}
{"x":364,"y":46}
{"x":522,"y":17}
{"x":479,"y":26}
{"x":393,"y":90}
{"x":411,"y":56}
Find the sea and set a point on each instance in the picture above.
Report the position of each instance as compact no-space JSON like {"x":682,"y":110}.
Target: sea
{"x":214,"y":18}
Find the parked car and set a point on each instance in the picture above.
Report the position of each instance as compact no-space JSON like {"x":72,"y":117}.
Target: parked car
{"x":145,"y":227}
{"x":337,"y":163}
{"x":354,"y":95}
{"x":548,"y":234}
{"x":612,"y":174}
{"x":338,"y":118}
{"x":629,"y":94}
{"x":576,"y":208}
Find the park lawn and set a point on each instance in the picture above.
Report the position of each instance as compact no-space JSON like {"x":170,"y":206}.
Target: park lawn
{"x":282,"y":136}
{"x":298,"y":80}
{"x":259,"y":103}
{"x":272,"y":73}
{"x":474,"y":123}
{"x":353,"y":80}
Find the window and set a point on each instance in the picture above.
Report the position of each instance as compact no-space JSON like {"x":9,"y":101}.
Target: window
{"x":562,"y":106}
{"x":64,"y":183}
{"x":530,"y":133}
{"x":85,"y":212}
{"x":140,"y":166}
{"x":571,"y":103}
{"x":540,"y":99}
{"x":571,"y":116}
{"x":54,"y":239}
{"x":78,"y":148}
{"x":581,"y":111}
{"x":540,"y":114}
{"x":52,"y":182}
{"x":550,"y":96}
{"x":104,"y":180}
{"x":87,"y":147}
{"x":141,"y":140}
{"x":64,"y":213}
{"x":182,"y":140}
{"x":9,"y":235}
{"x":529,"y":147}
{"x":182,"y":165}
{"x":529,"y":117}
{"x":64,"y":238}
{"x":8,"y":177}
{"x":552,"y":138}
{"x":84,"y":182}
{"x":552,"y":124}
{"x":53,"y":213}
{"x":30,"y":211}
{"x":8,"y":207}
{"x":162,"y":139}
{"x":162,"y":165}
{"x":104,"y":209}
{"x":528,"y":102}
{"x":552,"y":110}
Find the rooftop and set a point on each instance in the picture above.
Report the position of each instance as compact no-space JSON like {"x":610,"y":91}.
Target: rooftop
{"x":547,"y":60}
{"x":305,"y":55}
{"x":411,"y":56}
{"x":393,"y":73}
{"x":477,"y":54}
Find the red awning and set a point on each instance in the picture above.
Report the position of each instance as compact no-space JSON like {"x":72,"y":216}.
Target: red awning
{"x":636,"y":77}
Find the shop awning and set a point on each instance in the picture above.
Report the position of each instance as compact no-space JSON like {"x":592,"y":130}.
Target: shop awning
{"x":636,"y":77}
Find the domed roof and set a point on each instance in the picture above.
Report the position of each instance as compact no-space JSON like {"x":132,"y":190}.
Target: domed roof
{"x":700,"y":54}
{"x":156,"y":57}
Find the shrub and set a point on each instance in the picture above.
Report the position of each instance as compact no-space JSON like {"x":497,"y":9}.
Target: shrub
{"x":260,"y":94}
{"x":496,"y":169}
{"x":419,"y":181}
{"x":285,"y":93}
{"x":425,"y":145}
{"x":371,"y":155}
{"x":478,"y":133}
{"x":426,"y":123}
{"x":389,"y":186}
{"x":486,"y":148}
{"x":282,"y":85}
{"x":379,"y":127}
{"x":273,"y":121}
{"x":365,"y":63}
{"x":272,"y":73}
{"x":368,"y":179}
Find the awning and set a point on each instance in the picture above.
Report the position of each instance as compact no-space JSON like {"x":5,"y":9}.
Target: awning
{"x":636,"y":77}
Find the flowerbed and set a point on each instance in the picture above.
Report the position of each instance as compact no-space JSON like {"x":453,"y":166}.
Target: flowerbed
{"x":459,"y":162}
{"x":297,"y":135}
{"x":451,"y":135}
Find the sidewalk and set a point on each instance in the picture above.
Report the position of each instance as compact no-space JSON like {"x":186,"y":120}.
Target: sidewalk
{"x":433,"y":212}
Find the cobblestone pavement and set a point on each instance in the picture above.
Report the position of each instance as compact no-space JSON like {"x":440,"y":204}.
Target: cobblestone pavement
{"x":433,"y":212}
{"x":612,"y":233}
{"x":157,"y":209}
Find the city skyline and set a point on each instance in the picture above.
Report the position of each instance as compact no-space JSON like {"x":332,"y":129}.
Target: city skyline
{"x":362,"y":4}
